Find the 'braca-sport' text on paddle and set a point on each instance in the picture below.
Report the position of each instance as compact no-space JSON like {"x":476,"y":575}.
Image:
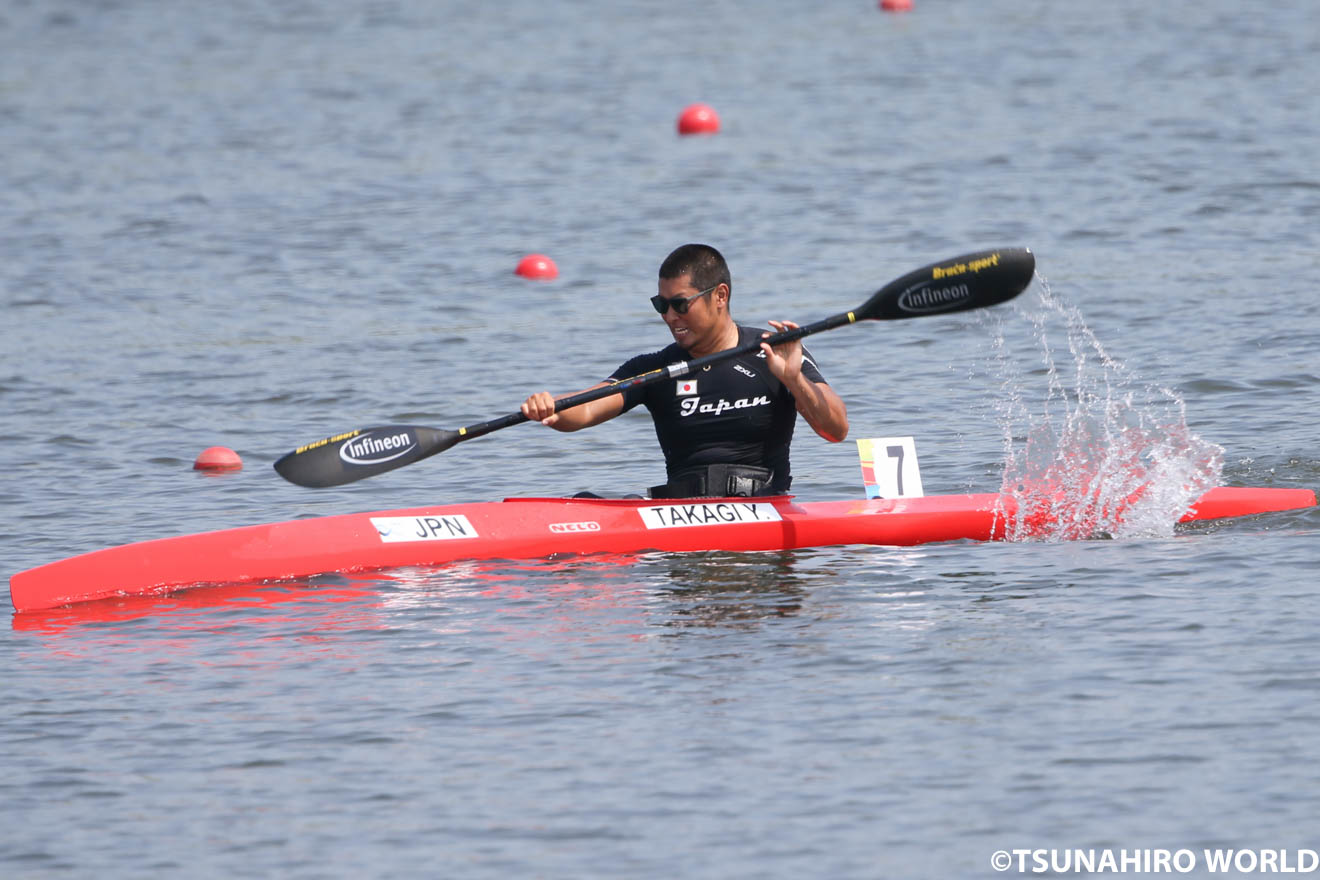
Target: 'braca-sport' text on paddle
{"x":971,"y":281}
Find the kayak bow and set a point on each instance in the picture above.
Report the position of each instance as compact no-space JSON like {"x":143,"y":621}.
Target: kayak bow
{"x":531,"y":528}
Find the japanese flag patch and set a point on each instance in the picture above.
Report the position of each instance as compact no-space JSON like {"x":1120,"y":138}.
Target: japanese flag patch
{"x":685,"y":386}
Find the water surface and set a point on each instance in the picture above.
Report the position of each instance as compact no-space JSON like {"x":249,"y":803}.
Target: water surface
{"x":255,"y":226}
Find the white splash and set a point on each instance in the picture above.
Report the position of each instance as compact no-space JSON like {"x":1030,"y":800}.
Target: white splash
{"x":1106,"y":454}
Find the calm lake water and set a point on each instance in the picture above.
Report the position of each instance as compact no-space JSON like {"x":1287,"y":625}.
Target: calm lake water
{"x":254,"y":225}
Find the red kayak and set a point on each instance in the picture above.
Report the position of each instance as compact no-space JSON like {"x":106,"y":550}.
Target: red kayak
{"x":532,"y":528}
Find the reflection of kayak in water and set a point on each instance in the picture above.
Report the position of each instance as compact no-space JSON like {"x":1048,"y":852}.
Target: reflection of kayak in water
{"x":533,"y":528}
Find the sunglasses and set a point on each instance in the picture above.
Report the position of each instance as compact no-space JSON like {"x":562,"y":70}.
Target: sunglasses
{"x":681,"y":304}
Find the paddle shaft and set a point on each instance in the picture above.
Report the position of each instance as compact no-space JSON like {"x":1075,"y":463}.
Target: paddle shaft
{"x":673,"y":371}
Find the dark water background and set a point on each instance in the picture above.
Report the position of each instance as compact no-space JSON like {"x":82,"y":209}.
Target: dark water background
{"x":256,"y":224}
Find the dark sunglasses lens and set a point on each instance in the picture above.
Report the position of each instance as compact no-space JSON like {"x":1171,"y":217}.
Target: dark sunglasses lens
{"x":681,"y":304}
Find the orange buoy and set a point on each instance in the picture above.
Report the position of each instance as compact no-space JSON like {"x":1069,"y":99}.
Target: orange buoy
{"x":218,"y":458}
{"x":537,"y":266}
{"x":896,"y":5}
{"x":698,"y":119}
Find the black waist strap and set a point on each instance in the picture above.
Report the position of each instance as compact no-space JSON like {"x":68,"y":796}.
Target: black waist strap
{"x":718,"y":481}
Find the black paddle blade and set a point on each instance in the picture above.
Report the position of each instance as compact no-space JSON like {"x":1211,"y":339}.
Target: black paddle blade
{"x":972,"y":281}
{"x":356,"y":455}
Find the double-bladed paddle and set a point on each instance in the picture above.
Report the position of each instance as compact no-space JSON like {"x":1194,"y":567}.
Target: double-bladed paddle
{"x":972,"y":281}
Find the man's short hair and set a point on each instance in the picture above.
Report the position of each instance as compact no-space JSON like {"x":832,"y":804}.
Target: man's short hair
{"x":702,"y":262}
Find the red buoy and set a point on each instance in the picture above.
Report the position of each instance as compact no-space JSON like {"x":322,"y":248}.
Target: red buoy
{"x":218,"y":458}
{"x":537,"y":266}
{"x":896,"y":5}
{"x":698,"y":119}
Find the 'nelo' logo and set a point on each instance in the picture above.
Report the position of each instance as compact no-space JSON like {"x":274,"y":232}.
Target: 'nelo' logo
{"x":376,"y":448}
{"x":924,"y":300}
{"x":564,"y":528}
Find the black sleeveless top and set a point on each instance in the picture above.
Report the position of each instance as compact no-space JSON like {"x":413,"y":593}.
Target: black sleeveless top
{"x":731,"y":412}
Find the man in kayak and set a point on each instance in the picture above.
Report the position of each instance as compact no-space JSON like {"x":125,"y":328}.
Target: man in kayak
{"x":726,"y":430}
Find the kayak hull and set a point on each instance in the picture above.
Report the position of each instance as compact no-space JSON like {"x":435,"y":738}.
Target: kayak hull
{"x":530,"y":528}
